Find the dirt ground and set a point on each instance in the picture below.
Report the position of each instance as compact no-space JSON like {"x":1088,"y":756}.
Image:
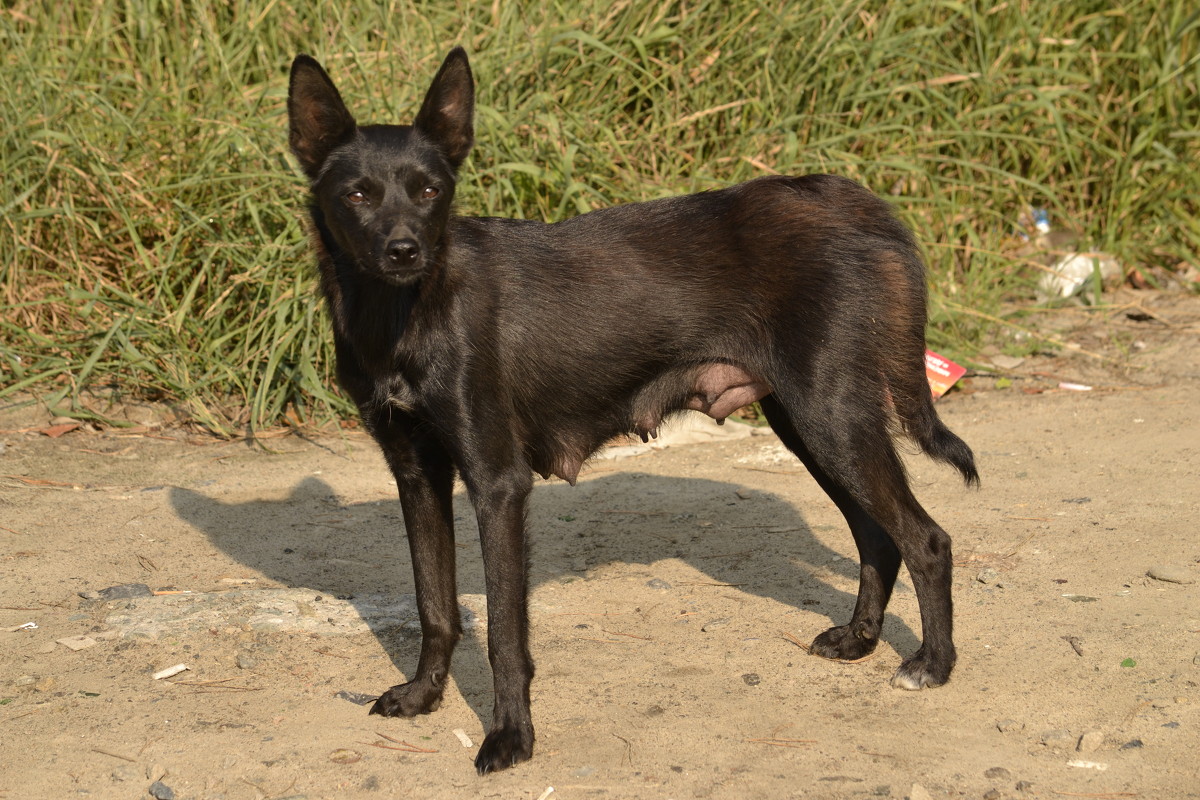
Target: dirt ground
{"x":671,"y":588}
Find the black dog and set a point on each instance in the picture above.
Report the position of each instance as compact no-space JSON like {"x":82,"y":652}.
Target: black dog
{"x":497,"y":347}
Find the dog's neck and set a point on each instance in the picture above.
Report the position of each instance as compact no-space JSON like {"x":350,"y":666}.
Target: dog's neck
{"x":372,"y":314}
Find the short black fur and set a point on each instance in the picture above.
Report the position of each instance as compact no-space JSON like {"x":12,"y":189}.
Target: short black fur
{"x":493,"y":348}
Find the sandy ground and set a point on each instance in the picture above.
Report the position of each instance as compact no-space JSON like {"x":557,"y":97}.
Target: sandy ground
{"x":667,"y":590}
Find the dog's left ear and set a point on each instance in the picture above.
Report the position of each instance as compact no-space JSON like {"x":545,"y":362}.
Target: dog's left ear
{"x":448,"y":113}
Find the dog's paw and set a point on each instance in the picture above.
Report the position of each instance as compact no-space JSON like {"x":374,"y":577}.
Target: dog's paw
{"x":503,"y":748}
{"x":408,"y":700}
{"x":921,"y":671}
{"x":842,"y":644}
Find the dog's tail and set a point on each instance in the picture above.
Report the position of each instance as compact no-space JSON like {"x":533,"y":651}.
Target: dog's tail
{"x":903,"y":357}
{"x":940,"y":443}
{"x":917,"y":416}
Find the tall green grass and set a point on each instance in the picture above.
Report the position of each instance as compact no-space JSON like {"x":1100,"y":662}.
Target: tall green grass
{"x":151,"y":242}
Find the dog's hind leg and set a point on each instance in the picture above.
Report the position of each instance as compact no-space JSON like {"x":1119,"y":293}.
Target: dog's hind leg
{"x":424,"y":475}
{"x":879,"y":558}
{"x":847,"y":447}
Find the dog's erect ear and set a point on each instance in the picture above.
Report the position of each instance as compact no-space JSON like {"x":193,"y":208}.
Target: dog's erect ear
{"x":318,"y":120}
{"x":448,"y":113}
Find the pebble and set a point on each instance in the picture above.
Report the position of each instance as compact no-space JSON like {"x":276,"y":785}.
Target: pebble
{"x":1007,"y":362}
{"x":125,"y":773}
{"x":358,"y":698}
{"x":345,"y":756}
{"x":80,"y":642}
{"x":658,"y":583}
{"x":991,"y":794}
{"x":715,"y":623}
{"x":1058,"y":740}
{"x":752,"y":679}
{"x":997,"y":774}
{"x":1009,"y":725}
{"x":1133,"y":744}
{"x":124,"y":591}
{"x":160,"y":791}
{"x":246,"y":661}
{"x":1170,"y":573}
{"x":987,"y":575}
{"x":919,"y":792}
{"x":1090,"y":742}
{"x":1024,"y":786}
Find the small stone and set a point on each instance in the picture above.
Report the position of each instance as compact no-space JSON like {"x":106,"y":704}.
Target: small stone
{"x":125,"y":773}
{"x":658,"y":583}
{"x":1058,"y":740}
{"x":246,"y":661}
{"x":1133,"y":744}
{"x":987,"y":575}
{"x":1171,"y":574}
{"x":919,"y":792}
{"x":160,"y":791}
{"x":991,"y":794}
{"x":77,"y":642}
{"x":345,"y":756}
{"x":1024,"y":786}
{"x":715,"y":623}
{"x":1090,"y":742}
{"x":125,"y":590}
{"x":997,"y":774}
{"x":358,"y":698}
{"x":752,"y":679}
{"x":1007,"y":362}
{"x":1009,"y":725}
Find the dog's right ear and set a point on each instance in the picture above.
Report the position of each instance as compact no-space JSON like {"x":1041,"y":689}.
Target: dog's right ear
{"x":448,"y":114}
{"x":318,"y":120}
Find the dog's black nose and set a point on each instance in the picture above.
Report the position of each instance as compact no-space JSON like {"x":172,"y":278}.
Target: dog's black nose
{"x":402,"y":252}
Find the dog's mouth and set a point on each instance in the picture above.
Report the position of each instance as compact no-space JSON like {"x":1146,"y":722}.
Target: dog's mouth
{"x":398,"y":277}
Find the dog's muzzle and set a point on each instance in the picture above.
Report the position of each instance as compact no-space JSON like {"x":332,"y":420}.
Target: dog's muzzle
{"x":402,"y":253}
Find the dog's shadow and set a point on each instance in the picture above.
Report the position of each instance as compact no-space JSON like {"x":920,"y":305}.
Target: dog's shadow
{"x":313,"y":540}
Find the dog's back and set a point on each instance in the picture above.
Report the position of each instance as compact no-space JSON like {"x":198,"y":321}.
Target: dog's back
{"x":627,"y":304}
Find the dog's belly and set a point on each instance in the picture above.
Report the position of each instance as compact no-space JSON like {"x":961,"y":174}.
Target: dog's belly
{"x":716,"y":389}
{"x":720,"y":389}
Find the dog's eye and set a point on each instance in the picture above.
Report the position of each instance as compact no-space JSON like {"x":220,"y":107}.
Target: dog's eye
{"x":356,"y":198}
{"x":430,"y":192}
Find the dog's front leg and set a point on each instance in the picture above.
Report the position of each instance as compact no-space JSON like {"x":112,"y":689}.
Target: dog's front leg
{"x":425,"y":476}
{"x":500,"y":502}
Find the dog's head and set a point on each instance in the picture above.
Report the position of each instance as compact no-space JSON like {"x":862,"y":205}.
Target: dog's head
{"x":383,"y":192}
